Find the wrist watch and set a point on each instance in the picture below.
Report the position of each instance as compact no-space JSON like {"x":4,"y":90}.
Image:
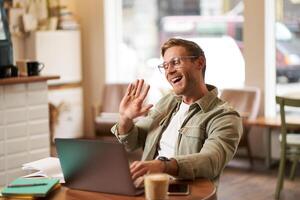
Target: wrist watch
{"x":165,"y":160}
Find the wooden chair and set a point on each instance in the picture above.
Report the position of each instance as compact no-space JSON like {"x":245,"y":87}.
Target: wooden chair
{"x":106,"y":113}
{"x":289,"y":142}
{"x":246,"y":101}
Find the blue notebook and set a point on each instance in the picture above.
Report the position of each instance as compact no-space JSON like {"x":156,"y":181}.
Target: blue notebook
{"x":35,"y":187}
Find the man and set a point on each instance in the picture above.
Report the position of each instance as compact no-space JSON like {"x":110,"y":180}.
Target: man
{"x":190,"y":133}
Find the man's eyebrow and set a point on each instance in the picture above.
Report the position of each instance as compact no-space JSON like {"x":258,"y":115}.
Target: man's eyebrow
{"x":170,"y":59}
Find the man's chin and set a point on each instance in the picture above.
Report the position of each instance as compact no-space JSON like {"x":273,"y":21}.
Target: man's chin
{"x":178,"y":91}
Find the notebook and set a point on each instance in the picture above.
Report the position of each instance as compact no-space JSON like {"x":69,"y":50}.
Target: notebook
{"x":95,"y":165}
{"x":40,"y":187}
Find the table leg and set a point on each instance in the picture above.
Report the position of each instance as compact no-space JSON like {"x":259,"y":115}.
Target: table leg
{"x":268,"y":138}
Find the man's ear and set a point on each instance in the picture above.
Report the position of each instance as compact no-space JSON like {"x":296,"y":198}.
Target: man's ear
{"x":200,"y":62}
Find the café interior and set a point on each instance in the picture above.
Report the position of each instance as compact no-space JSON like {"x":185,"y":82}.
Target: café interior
{"x":87,"y":52}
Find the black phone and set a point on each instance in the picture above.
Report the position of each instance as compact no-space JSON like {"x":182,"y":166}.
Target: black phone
{"x":178,"y":189}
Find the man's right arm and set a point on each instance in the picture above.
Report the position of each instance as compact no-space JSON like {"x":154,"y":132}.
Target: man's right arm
{"x":132,"y":107}
{"x":124,"y":125}
{"x":136,"y":136}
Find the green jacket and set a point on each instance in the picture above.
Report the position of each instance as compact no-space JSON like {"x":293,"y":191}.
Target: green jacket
{"x":207,"y":140}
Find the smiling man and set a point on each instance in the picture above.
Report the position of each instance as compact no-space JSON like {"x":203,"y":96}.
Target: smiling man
{"x":190,"y":132}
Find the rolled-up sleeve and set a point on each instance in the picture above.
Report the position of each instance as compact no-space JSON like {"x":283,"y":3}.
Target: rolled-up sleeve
{"x":136,"y":137}
{"x":130,"y":139}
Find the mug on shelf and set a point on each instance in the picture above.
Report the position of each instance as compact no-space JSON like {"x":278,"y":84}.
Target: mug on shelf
{"x":34,"y":68}
{"x":8,"y":71}
{"x":29,"y":68}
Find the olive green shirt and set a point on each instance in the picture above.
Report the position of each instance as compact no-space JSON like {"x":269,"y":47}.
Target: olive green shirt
{"x":207,"y":139}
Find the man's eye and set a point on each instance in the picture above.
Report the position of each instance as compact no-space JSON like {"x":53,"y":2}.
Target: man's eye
{"x":176,"y":62}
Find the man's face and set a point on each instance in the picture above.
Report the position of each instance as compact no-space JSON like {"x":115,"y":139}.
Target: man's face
{"x":183,"y":73}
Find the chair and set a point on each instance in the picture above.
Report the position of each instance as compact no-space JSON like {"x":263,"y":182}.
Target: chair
{"x":106,"y":114}
{"x":289,"y":142}
{"x":246,"y":101}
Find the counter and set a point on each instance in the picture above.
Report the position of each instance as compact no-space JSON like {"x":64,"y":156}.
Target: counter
{"x":24,"y":123}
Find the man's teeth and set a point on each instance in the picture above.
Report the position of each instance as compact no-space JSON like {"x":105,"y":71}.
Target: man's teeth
{"x":176,"y":79}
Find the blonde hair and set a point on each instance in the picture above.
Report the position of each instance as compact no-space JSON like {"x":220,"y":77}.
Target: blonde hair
{"x":192,"y":48}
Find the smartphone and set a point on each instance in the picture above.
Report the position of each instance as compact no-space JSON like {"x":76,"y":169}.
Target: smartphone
{"x":178,"y":189}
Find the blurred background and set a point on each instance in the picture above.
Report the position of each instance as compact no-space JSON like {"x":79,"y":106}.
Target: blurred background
{"x":94,"y":43}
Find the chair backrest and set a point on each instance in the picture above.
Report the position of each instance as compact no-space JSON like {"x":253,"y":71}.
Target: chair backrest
{"x":245,"y":100}
{"x":112,"y":96}
{"x":290,"y":102}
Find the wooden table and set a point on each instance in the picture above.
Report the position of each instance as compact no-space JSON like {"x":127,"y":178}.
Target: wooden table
{"x":201,"y":189}
{"x":270,"y":124}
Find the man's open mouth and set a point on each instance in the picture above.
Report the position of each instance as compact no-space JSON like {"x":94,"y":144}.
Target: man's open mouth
{"x":176,"y":79}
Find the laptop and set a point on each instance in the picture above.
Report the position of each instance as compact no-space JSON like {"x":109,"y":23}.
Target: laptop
{"x":95,"y":165}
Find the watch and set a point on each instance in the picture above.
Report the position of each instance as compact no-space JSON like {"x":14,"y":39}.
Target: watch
{"x":165,"y":160}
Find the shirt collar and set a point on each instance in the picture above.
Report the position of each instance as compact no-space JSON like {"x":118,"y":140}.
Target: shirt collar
{"x":206,"y":101}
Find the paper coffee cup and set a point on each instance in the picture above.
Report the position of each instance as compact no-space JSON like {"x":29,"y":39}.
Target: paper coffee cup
{"x":22,"y":67}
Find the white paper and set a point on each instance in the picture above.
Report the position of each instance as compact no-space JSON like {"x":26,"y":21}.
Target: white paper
{"x":46,"y":167}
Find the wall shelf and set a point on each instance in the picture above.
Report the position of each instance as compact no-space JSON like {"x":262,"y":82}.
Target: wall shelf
{"x":29,"y":79}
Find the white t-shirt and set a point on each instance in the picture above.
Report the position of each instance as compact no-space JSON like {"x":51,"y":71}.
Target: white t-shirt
{"x":169,"y":136}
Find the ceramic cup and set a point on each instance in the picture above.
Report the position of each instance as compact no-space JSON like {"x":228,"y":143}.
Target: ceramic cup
{"x":8,"y":71}
{"x":34,"y":68}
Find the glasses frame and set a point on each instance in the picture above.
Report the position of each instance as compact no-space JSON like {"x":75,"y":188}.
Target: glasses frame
{"x":173,"y":62}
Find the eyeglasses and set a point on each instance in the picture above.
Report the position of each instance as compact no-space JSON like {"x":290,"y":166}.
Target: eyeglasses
{"x":174,"y":62}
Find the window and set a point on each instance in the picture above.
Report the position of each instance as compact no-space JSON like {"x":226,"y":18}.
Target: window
{"x":288,"y":47}
{"x":139,"y":27}
{"x":2,"y":28}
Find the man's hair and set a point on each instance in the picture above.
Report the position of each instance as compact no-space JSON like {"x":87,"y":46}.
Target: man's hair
{"x":192,"y":48}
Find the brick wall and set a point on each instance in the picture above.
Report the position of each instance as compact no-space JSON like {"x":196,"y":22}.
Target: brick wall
{"x":24,"y":127}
